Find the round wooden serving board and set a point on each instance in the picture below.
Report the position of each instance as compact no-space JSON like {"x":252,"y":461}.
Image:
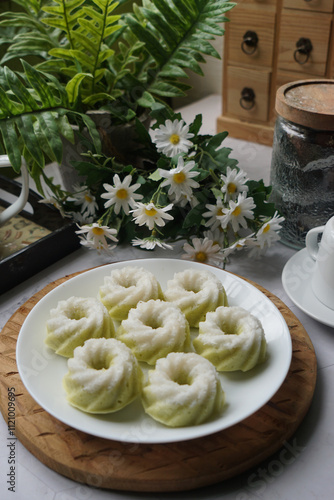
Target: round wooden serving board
{"x":159,"y":467}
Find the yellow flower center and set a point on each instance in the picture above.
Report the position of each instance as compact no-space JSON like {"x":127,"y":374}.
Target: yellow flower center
{"x":236,"y":211}
{"x":174,"y":138}
{"x":150,"y":212}
{"x":231,"y":188}
{"x":266,"y":228}
{"x":179,"y":178}
{"x":88,"y":198}
{"x":98,"y":231}
{"x":122,"y":194}
{"x":201,"y":256}
{"x":220,"y":212}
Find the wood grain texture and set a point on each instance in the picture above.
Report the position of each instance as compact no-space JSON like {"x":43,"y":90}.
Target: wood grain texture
{"x":159,"y":467}
{"x":313,"y":5}
{"x":259,"y":82}
{"x":312,"y":25}
{"x":261,"y":20}
{"x":253,"y":132}
{"x":294,"y":19}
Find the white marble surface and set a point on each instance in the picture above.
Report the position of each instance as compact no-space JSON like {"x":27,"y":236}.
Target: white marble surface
{"x":302,"y":470}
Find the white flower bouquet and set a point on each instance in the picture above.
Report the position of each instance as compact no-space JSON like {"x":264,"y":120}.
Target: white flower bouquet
{"x":186,"y":188}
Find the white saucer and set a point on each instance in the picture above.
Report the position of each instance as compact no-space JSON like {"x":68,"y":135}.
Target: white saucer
{"x":296,"y":279}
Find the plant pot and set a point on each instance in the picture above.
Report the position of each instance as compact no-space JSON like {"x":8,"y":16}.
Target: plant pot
{"x":118,"y":141}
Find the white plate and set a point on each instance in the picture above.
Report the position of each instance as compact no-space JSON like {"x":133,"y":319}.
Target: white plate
{"x":296,"y":280}
{"x":42,"y":371}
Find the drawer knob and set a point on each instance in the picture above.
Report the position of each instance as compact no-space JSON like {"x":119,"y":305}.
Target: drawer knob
{"x":303,"y":50}
{"x":247,"y":99}
{"x":249,"y":42}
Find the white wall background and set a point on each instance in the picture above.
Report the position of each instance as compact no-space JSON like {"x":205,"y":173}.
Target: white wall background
{"x":210,"y":83}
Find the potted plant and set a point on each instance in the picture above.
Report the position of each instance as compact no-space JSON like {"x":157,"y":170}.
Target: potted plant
{"x":90,"y":58}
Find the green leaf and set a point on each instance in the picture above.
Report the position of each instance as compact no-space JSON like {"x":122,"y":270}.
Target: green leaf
{"x":166,"y":89}
{"x":20,"y":90}
{"x":146,"y":100}
{"x":40,"y":85}
{"x":87,"y":28}
{"x":9,"y":137}
{"x":50,"y":131}
{"x":26,"y":129}
{"x":194,"y":216}
{"x":152,"y":44}
{"x":155,"y":176}
{"x":73,"y":86}
{"x":101,"y":96}
{"x":65,"y":127}
{"x":195,"y":127}
{"x":7,"y":106}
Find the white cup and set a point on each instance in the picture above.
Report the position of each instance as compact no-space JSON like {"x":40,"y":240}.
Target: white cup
{"x":322,"y":280}
{"x":18,"y":204}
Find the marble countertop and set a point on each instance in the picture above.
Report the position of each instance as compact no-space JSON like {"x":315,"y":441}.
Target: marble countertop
{"x":307,"y":474}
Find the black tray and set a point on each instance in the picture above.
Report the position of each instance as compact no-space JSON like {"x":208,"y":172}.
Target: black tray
{"x":28,"y":261}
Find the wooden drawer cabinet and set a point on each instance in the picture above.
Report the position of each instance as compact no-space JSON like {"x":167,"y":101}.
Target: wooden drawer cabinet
{"x":294,"y":40}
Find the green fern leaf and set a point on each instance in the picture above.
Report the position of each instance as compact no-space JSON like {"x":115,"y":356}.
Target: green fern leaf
{"x":87,"y":29}
{"x":8,"y":107}
{"x":64,"y":16}
{"x":159,"y":23}
{"x":46,"y":129}
{"x":9,"y":137}
{"x":29,"y":112}
{"x":34,"y":5}
{"x":182,"y":46}
{"x":73,"y":86}
{"x":20,"y":90}
{"x":41,"y":86}
{"x":151,"y":43}
{"x":25,"y":127}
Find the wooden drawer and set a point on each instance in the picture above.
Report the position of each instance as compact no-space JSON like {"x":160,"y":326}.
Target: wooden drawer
{"x":238,"y":79}
{"x":262,"y":23}
{"x":314,"y":5}
{"x":299,"y":25}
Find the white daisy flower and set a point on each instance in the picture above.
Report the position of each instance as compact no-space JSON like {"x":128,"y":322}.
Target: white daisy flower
{"x":184,"y":200}
{"x":234,"y":183}
{"x":82,"y":219}
{"x":267,"y":234}
{"x":238,"y":245}
{"x":98,"y":247}
{"x":238,"y":212}
{"x":216,"y":235}
{"x":180,"y":179}
{"x":150,"y":243}
{"x":172,"y":138}
{"x":55,"y":203}
{"x":214,"y":211}
{"x":94,"y":236}
{"x":122,"y":194}
{"x":202,"y":250}
{"x":149,"y":215}
{"x":255,"y":250}
{"x":88,"y":203}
